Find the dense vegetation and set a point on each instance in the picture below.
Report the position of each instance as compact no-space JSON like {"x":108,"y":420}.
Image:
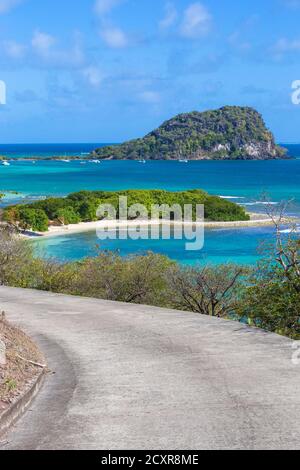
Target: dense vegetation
{"x":82,"y":207}
{"x":230,"y":132}
{"x":267,"y":296}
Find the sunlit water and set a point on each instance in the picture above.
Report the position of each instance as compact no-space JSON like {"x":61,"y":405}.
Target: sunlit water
{"x":242,"y":181}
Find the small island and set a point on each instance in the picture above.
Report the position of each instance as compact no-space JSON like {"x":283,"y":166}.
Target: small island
{"x":228,"y":133}
{"x":82,"y":207}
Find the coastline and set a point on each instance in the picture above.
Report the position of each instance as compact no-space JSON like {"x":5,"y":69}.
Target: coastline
{"x":255,"y":221}
{"x":91,"y":158}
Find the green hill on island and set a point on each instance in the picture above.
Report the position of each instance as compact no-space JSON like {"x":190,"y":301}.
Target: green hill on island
{"x":231,"y":132}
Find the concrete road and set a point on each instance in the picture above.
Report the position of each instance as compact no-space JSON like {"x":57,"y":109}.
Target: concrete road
{"x":135,"y":377}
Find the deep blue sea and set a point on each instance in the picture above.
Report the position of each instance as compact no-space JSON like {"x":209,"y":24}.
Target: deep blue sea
{"x":241,"y":181}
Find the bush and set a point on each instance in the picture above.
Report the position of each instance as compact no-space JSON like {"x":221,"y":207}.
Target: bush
{"x":17,"y":264}
{"x":137,"y":279}
{"x":207,"y":290}
{"x":273,"y":306}
{"x":67,"y":215}
{"x":33,"y":219}
{"x":216,"y":209}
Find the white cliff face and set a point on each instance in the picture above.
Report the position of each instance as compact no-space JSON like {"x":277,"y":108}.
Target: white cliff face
{"x":255,"y":150}
{"x":221,"y":147}
{"x":259,"y":149}
{"x":252,"y":149}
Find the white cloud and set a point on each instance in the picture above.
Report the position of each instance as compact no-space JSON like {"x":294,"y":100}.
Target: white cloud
{"x":151,"y":97}
{"x":103,"y":7}
{"x":196,"y":21}
{"x":43,"y":46}
{"x":7,"y":5}
{"x":114,"y":37}
{"x":93,"y":75}
{"x":170,"y":16}
{"x":44,"y":51}
{"x":284,"y":45}
{"x":14,"y":50}
{"x":292,"y":3}
{"x":42,"y":43}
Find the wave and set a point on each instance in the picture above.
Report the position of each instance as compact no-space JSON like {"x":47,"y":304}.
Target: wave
{"x":231,"y":197}
{"x":259,"y":203}
{"x":290,"y":230}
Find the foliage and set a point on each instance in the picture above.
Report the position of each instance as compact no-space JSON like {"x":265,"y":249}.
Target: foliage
{"x":272,"y":297}
{"x":144,"y":279}
{"x":207,"y":290}
{"x":274,"y":306}
{"x":137,"y":279}
{"x":82,"y":206}
{"x":27,"y":218}
{"x":17,"y":264}
{"x":219,"y":134}
{"x":268,"y":297}
{"x":67,"y":215}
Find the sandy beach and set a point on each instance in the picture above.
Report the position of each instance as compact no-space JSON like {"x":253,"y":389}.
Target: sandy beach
{"x":256,"y":220}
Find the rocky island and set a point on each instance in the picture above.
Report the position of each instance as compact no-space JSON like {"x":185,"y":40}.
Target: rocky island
{"x":231,"y":132}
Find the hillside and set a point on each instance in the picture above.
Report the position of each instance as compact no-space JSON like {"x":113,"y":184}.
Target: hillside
{"x":231,"y":132}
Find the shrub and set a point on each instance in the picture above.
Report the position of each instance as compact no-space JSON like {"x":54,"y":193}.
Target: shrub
{"x":207,"y":290}
{"x":137,"y":279}
{"x":273,"y":306}
{"x":17,"y":264}
{"x":67,"y":215}
{"x":34,"y":219}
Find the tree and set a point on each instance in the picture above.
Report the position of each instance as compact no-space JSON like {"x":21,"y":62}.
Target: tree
{"x":26,"y":218}
{"x":137,"y":279}
{"x":67,"y":215}
{"x":87,"y":211}
{"x":16,"y":260}
{"x":33,"y":219}
{"x":287,"y":243}
{"x":272,"y":297}
{"x":207,"y":290}
{"x":41,"y":222}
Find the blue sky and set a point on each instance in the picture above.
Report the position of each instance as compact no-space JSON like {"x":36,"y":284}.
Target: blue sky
{"x":110,"y":70}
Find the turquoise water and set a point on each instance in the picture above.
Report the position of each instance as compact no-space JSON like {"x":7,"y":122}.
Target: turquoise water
{"x":244,"y":180}
{"x":45,"y":150}
{"x":221,"y":245}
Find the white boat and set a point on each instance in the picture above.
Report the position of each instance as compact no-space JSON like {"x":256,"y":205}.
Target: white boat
{"x":142,"y":161}
{"x":66,"y":161}
{"x":183,"y":161}
{"x":5,"y":163}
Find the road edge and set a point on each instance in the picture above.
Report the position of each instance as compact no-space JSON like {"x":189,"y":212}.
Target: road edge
{"x":17,"y":409}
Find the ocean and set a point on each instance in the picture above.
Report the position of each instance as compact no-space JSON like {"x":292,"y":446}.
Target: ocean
{"x":241,"y":181}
